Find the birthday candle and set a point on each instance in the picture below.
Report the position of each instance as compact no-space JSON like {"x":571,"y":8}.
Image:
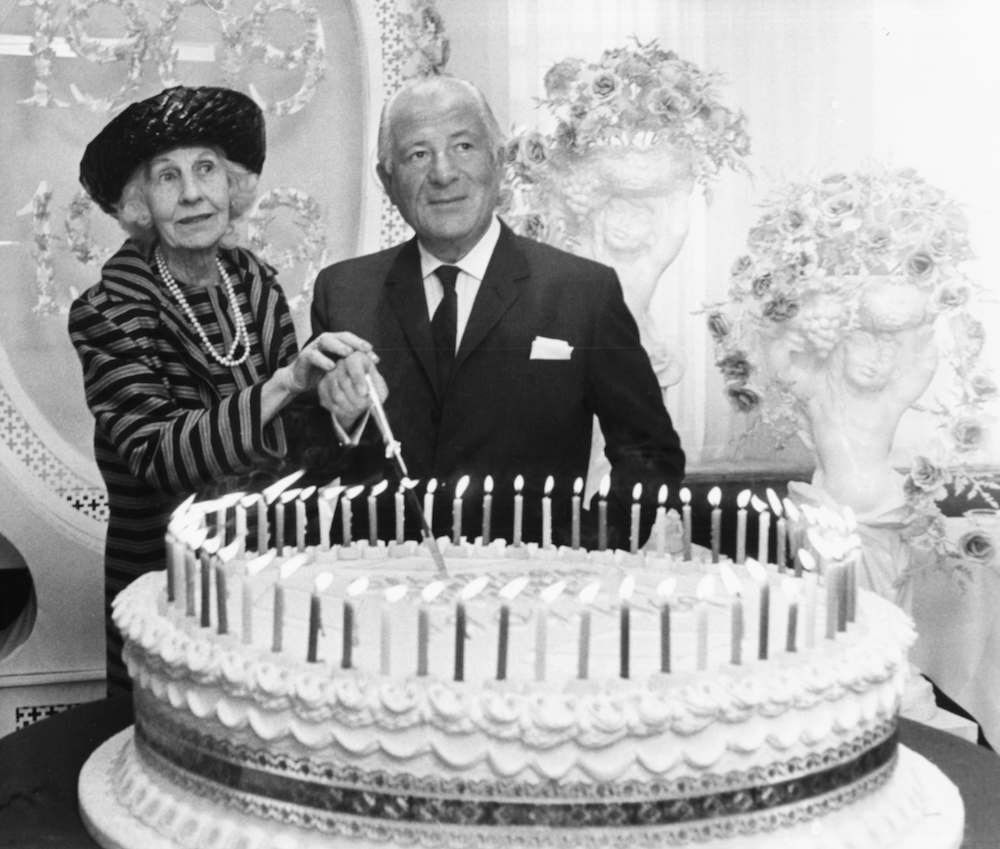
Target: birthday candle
{"x":602,"y":512}
{"x":547,"y":596}
{"x":779,"y":529}
{"x":195,"y":538}
{"x":469,"y":591}
{"x":301,"y":521}
{"x":373,"y":495}
{"x":429,"y":491}
{"x":221,"y":598}
{"x":270,"y":496}
{"x":320,"y":585}
{"x":575,"y":517}
{"x":392,"y":595}
{"x":518,"y":509}
{"x":208,"y":548}
{"x":758,"y":572}
{"x":487,"y":507}
{"x":242,"y":508}
{"x":346,"y":513}
{"x":263,"y":532}
{"x":399,"y":500}
{"x":279,"y":518}
{"x":808,"y":565}
{"x":714,"y":497}
{"x":763,"y":528}
{"x":794,"y":537}
{"x":664,"y":590}
{"x":685,"y":496}
{"x":633,"y":536}
{"x":586,"y":597}
{"x":354,"y":589}
{"x":742,"y":500}
{"x":732,"y":585}
{"x":253,"y":568}
{"x":456,"y":510}
{"x":625,"y":590}
{"x":704,"y":591}
{"x":507,"y":595}
{"x":547,"y":512}
{"x":661,"y":520}
{"x":427,"y":595}
{"x":285,"y":571}
{"x":327,"y":504}
{"x":790,"y":587}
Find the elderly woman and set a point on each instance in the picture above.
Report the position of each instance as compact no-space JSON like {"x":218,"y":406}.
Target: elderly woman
{"x":189,"y":354}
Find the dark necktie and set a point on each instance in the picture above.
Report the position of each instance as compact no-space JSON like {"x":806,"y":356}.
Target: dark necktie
{"x":445,"y":323}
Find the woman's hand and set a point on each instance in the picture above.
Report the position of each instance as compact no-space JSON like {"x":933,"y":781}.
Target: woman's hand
{"x":344,"y":391}
{"x":305,"y":372}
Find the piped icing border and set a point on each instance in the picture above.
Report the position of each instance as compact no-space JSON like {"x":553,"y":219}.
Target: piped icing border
{"x":702,"y":807}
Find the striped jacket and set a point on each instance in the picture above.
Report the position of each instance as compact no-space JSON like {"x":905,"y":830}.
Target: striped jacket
{"x":162,"y":429}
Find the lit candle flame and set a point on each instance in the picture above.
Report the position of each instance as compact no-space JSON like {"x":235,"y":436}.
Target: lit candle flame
{"x":228,"y":554}
{"x":743,"y":499}
{"x":278,"y":487}
{"x":685,"y":495}
{"x":605,"y":486}
{"x":637,"y":492}
{"x":290,"y":566}
{"x":259,"y":564}
{"x":183,"y":508}
{"x":511,"y":589}
{"x":378,"y":489}
{"x":322,"y":582}
{"x":353,"y":492}
{"x":589,"y":592}
{"x":488,"y":483}
{"x":577,"y":486}
{"x":330,"y":494}
{"x":407,"y":483}
{"x":396,"y":593}
{"x":791,"y":511}
{"x":758,"y":504}
{"x":461,"y":486}
{"x":212,"y":545}
{"x":807,"y":560}
{"x":248,"y":501}
{"x":626,"y":588}
{"x":432,"y":486}
{"x":289,"y":495}
{"x":661,"y":495}
{"x":666,"y":587}
{"x":774,"y":501}
{"x":552,"y":592}
{"x":474,"y":588}
{"x":714,"y":496}
{"x":357,"y":586}
{"x":549,"y":483}
{"x":306,"y":493}
{"x":729,"y":579}
{"x":518,"y":483}
{"x":757,"y":572}
{"x":706,"y":588}
{"x":432,"y":591}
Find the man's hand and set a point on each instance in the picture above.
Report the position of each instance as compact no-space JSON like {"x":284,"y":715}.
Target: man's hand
{"x":320,"y":357}
{"x":344,"y":390}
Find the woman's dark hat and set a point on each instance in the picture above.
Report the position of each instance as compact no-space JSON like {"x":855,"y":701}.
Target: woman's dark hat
{"x":174,"y":117}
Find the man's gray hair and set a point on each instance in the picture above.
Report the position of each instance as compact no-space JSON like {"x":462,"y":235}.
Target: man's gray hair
{"x":440,"y":82}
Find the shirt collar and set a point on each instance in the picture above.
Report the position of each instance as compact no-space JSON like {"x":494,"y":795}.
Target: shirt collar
{"x":474,"y":262}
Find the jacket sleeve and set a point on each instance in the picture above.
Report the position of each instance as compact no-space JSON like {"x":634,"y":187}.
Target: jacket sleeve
{"x":171,"y":448}
{"x":641,"y":443}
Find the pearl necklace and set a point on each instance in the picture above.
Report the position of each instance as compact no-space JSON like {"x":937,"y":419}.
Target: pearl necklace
{"x":241,"y":337}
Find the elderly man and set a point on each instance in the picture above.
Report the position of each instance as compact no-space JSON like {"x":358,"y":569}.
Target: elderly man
{"x":496,"y":351}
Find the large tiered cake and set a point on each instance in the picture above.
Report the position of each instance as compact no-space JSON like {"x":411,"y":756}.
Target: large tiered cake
{"x":357,"y":696}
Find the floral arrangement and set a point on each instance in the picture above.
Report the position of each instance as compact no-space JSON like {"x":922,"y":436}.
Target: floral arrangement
{"x":634,"y":98}
{"x":872,"y":249}
{"x":425,"y":49}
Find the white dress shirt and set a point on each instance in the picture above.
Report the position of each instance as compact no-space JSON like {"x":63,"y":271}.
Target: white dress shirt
{"x":472,"y":269}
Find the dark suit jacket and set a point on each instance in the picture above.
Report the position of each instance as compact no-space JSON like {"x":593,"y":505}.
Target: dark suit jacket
{"x":504,"y":413}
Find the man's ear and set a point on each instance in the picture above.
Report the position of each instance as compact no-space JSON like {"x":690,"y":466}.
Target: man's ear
{"x":385,"y":178}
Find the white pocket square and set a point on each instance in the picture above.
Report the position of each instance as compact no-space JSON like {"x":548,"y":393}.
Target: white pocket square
{"x":544,"y":348}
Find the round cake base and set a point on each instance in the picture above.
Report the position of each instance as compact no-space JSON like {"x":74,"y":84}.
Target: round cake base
{"x":125,"y":805}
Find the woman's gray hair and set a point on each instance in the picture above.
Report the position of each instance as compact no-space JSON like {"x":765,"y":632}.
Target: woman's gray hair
{"x":495,"y":135}
{"x":135,"y":218}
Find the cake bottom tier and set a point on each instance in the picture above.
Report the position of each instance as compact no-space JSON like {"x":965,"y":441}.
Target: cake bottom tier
{"x":127,"y":804}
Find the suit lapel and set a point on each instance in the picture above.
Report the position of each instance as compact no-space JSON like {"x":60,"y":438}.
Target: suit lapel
{"x":500,"y":288}
{"x":405,"y":293}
